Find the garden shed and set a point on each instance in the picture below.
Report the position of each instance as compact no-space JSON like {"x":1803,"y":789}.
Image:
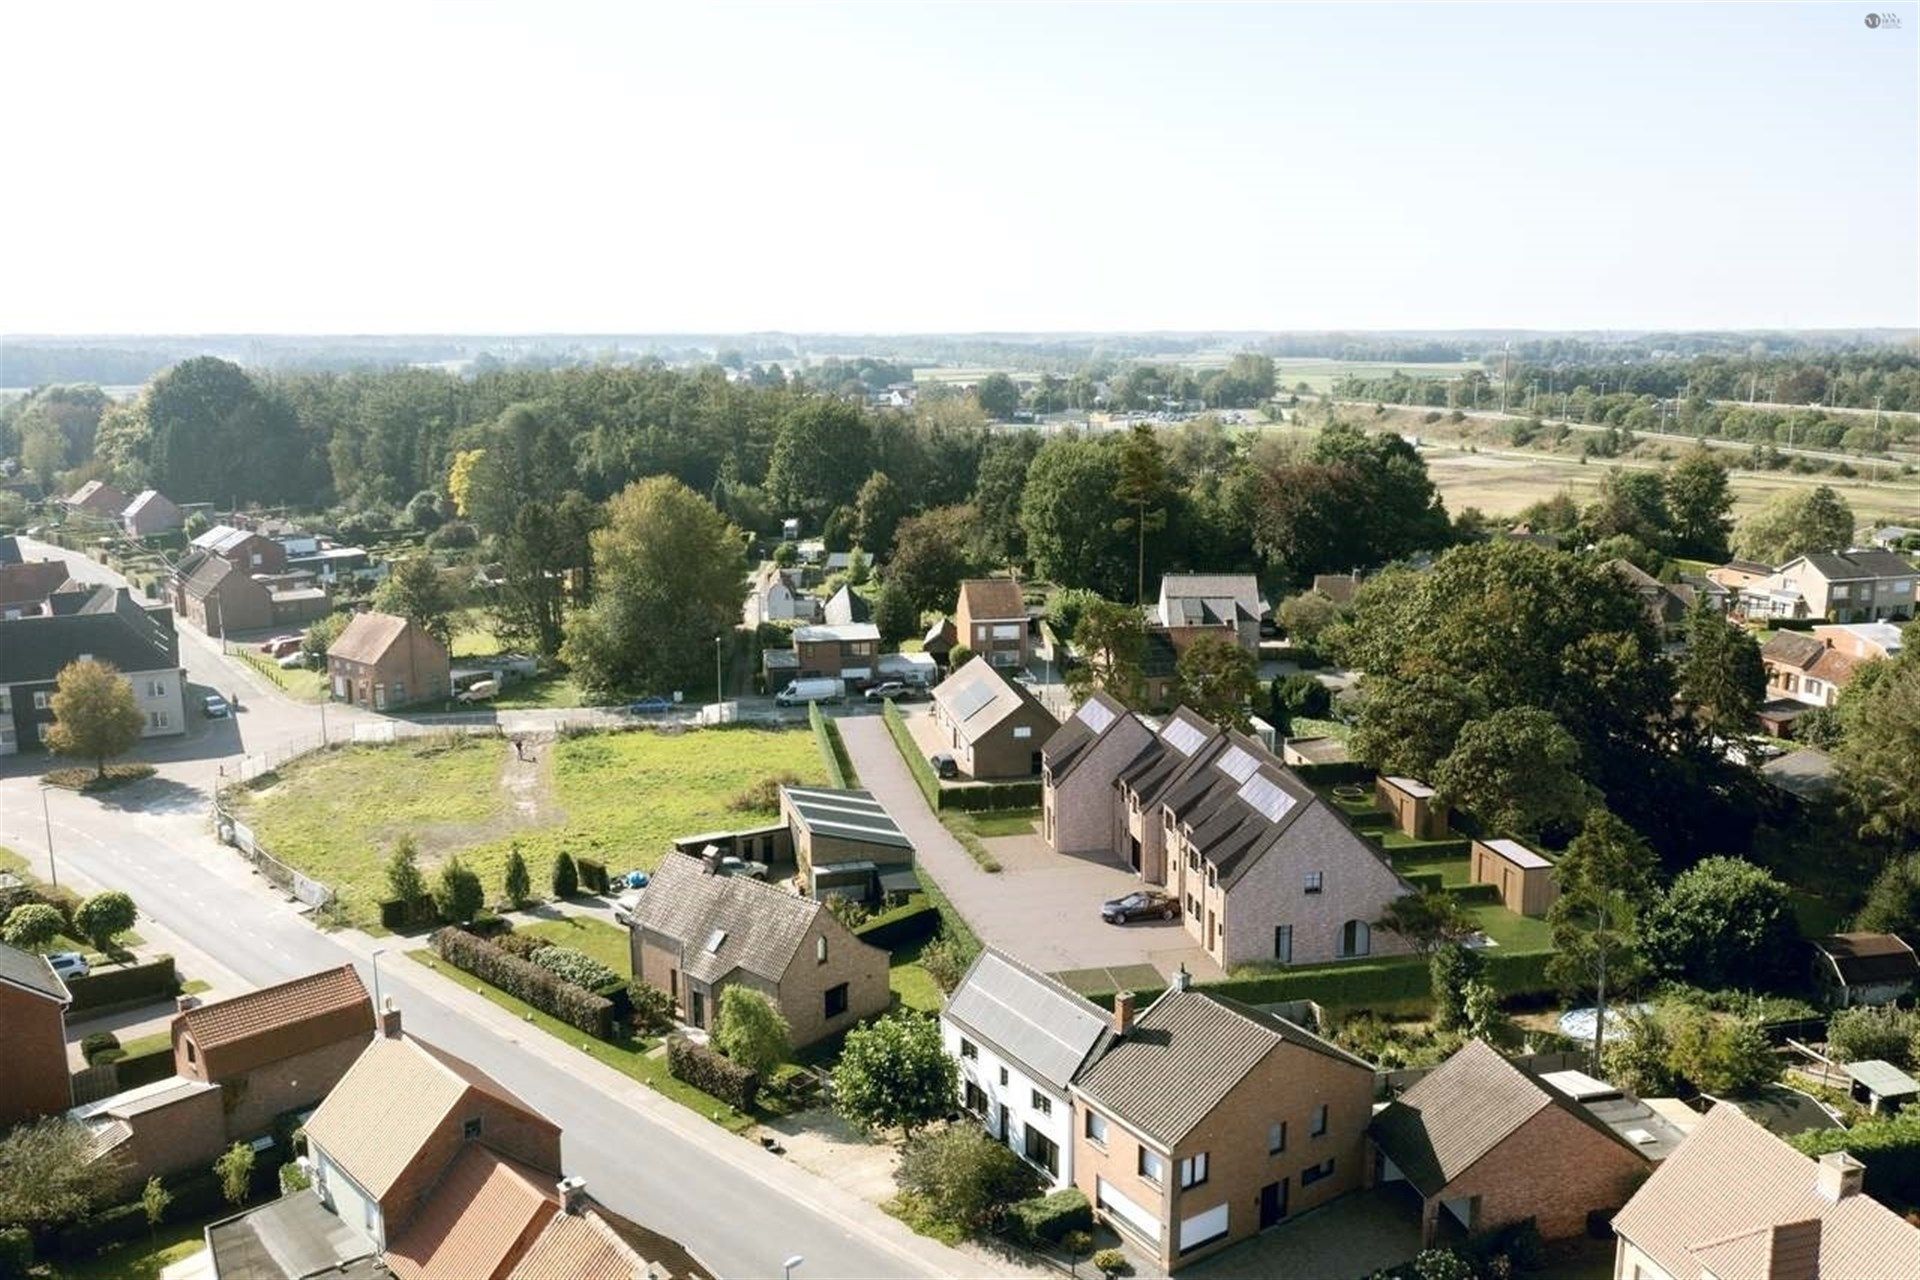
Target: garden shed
{"x":1413,"y":805}
{"x":1523,"y":876}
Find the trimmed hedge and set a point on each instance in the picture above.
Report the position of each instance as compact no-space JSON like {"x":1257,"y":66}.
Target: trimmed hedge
{"x":1332,"y":775}
{"x":95,"y":1043}
{"x":524,"y":980}
{"x":593,"y":875}
{"x":144,"y":1068}
{"x":1890,"y":1149}
{"x":1359,"y":983}
{"x":711,"y":1073}
{"x":824,"y":740}
{"x":1049,"y":1218}
{"x":917,"y":764}
{"x":916,"y":919}
{"x":397,"y":913}
{"x":978,"y":796}
{"x":577,"y":967}
{"x":148,"y":981}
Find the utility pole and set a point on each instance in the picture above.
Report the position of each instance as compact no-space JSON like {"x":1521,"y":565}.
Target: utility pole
{"x":53,"y":868}
{"x":719,"y":690}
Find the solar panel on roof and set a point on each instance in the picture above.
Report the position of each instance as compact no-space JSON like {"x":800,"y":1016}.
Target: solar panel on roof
{"x":1237,"y":764}
{"x":1266,"y":796}
{"x":1095,"y":715}
{"x":969,"y":700}
{"x":1183,"y":737}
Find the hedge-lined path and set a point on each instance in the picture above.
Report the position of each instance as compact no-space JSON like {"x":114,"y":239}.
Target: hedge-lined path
{"x":1043,"y":909}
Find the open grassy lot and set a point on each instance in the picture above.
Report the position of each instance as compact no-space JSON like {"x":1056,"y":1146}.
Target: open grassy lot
{"x":597,"y":938}
{"x":617,"y":798}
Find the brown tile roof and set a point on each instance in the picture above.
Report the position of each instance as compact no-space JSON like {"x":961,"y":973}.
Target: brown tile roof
{"x":477,"y":1223}
{"x":724,"y":923}
{"x":1833,"y":666}
{"x":579,"y":1246}
{"x":1450,"y":1119}
{"x":368,"y":637}
{"x":1186,"y":1054}
{"x":392,"y":1100}
{"x":1793,"y":648}
{"x":278,"y":1022}
{"x":1869,"y":957}
{"x":1712,"y":1208}
{"x":987,"y":598}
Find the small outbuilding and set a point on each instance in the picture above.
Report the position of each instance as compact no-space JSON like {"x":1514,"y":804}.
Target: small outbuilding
{"x":846,"y":844}
{"x":1864,"y":968}
{"x":1523,"y":876}
{"x":1415,"y":809}
{"x":1879,"y":1086}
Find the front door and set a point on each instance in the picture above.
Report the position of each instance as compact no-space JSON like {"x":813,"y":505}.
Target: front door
{"x":1003,"y":1130}
{"x":1273,"y":1203}
{"x":697,"y":1008}
{"x":1133,"y":852}
{"x":1209,"y":928}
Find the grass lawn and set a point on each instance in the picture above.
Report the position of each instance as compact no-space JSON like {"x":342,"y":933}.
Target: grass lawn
{"x":473,"y":636}
{"x":597,"y":938}
{"x":544,"y":691}
{"x":141,"y":1259}
{"x":618,"y":798}
{"x":629,"y":1059}
{"x":147,"y":1044}
{"x":911,"y":983}
{"x":1513,"y":931}
{"x":1004,"y":822}
{"x":1305,"y":727}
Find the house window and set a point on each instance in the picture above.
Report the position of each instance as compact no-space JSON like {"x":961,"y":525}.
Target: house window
{"x":1276,"y":1137}
{"x":820,"y":949}
{"x":976,"y":1099}
{"x":1096,"y":1128}
{"x":1283,"y":943}
{"x":1193,"y":1170}
{"x":156,"y":688}
{"x":157,"y":720}
{"x":399,"y":693}
{"x":39,"y":699}
{"x":1152,"y":1166}
{"x":1213,"y":875}
{"x":1042,"y":1103}
{"x":193,"y":1052}
{"x":470,"y":1128}
{"x":1043,"y":1151}
{"x":1356,"y":939}
{"x":968,"y":1049}
{"x":836,"y":1000}
{"x":1313,"y":882}
{"x":1319,"y":1129}
{"x":1003,"y":1077}
{"x":1314,"y":1173}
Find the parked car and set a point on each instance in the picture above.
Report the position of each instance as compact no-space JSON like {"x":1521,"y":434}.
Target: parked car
{"x":898,"y":690}
{"x":215,"y":707}
{"x":295,"y":661}
{"x":69,"y":964}
{"x":279,"y":646}
{"x":623,"y":908}
{"x":946,"y":766}
{"x":653,"y":706}
{"x":732,"y":866}
{"x":478,"y":691}
{"x":1141,"y":904}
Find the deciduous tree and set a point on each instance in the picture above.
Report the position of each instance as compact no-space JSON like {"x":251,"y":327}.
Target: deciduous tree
{"x":1700,"y":501}
{"x":752,"y":1032}
{"x":459,"y":894}
{"x":1725,"y":923}
{"x":1111,"y":641}
{"x":33,"y":926}
{"x":1067,"y":513}
{"x":50,"y":1173}
{"x":962,"y":1177}
{"x":879,"y":508}
{"x":1606,"y":880}
{"x":932,"y":553}
{"x":104,"y":917}
{"x":1218,"y":679}
{"x":95,"y":715}
{"x":1516,"y":770}
{"x":894,"y":1074}
{"x":1794,"y":522}
{"x":1722,"y":679}
{"x":416,"y":589}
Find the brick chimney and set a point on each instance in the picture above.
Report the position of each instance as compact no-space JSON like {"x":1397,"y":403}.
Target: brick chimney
{"x":1840,"y":1176}
{"x":573,"y":1194}
{"x":1793,"y":1251}
{"x":183,"y":1003}
{"x":390,"y":1020}
{"x":1122,"y":1013}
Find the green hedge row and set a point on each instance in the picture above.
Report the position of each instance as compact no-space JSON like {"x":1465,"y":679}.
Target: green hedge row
{"x":917,"y":764}
{"x":1349,"y":984}
{"x":911,"y":922}
{"x":524,"y":980}
{"x":593,"y":875}
{"x":711,"y":1073}
{"x":397,"y":914}
{"x":1430,"y":851}
{"x":1332,"y":775}
{"x":137,"y":1069}
{"x":149,"y":980}
{"x":1048,"y":1218}
{"x":1889,"y":1148}
{"x":823,"y":738}
{"x":980,"y":796}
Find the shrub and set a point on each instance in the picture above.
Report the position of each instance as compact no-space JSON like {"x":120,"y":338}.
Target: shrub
{"x":593,"y":875}
{"x":96,"y":1043}
{"x":751,"y":1031}
{"x":1050,"y":1217}
{"x":1302,"y":695}
{"x":710,"y":1073}
{"x":566,"y":877}
{"x":909,"y":922}
{"x":1889,"y":1147}
{"x":1450,"y":970}
{"x":963,"y":1177}
{"x":577,"y":967}
{"x":103,"y":917}
{"x":33,"y":927}
{"x":293,"y":1178}
{"x":764,"y":794}
{"x":1719,"y":1054}
{"x":397,"y":914}
{"x":235,"y":1171}
{"x":652,"y":1007}
{"x":850,"y":912}
{"x":1856,"y":1035}
{"x":459,"y":895}
{"x":524,"y":980}
{"x":514,"y":883}
{"x":521,"y":944}
{"x":1638,"y":1060}
{"x":942,"y":960}
{"x":1112,"y":1262}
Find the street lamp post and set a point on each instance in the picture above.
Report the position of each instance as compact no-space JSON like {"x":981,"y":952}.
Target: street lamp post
{"x":52,"y":867}
{"x":719,"y":690}
{"x":786,"y":1268}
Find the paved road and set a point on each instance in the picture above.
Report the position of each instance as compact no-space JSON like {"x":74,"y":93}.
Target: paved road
{"x":740,"y":1209}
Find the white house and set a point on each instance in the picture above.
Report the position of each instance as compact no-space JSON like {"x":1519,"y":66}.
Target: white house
{"x":1020,"y":1038}
{"x":776,"y":596}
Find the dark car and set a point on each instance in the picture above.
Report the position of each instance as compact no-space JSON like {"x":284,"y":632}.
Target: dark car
{"x":1142,"y":904}
{"x":898,"y":690}
{"x":946,"y":766}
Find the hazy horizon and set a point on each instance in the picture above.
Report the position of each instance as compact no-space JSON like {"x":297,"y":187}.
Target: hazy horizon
{"x":588,"y":169}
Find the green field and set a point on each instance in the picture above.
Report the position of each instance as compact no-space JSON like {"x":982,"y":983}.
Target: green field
{"x":1320,"y":375}
{"x":617,"y":798}
{"x":602,"y":941}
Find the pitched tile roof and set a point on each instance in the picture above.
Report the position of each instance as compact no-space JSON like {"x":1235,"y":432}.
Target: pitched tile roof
{"x":1184,"y":1055}
{"x":1027,"y":1017}
{"x":978,"y":697}
{"x":1451,"y":1118}
{"x":281,"y":1021}
{"x":393,"y":1098}
{"x":579,"y":1246}
{"x":203,"y":576}
{"x":1714,"y":1204}
{"x":723,"y":923}
{"x":477,"y":1222}
{"x":32,"y":973}
{"x":1793,"y":649}
{"x":368,"y":637}
{"x":98,"y":495}
{"x":1869,"y":957}
{"x":845,"y":607}
{"x":1855,"y":564}
{"x":989,"y":598}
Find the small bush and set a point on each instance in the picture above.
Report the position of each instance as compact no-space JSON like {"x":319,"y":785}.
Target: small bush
{"x":521,"y":944}
{"x":1857,"y":1035}
{"x":1049,"y":1218}
{"x":566,"y":876}
{"x":764,"y":794}
{"x":576,"y":967}
{"x":942,"y":960}
{"x":710,"y":1073}
{"x":652,"y":1008}
{"x":97,"y":1043}
{"x":1112,"y":1262}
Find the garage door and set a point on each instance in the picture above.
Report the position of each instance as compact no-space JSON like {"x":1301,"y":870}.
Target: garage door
{"x":1202,"y":1227}
{"x":1126,"y":1210}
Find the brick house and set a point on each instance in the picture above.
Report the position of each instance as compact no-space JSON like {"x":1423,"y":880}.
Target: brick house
{"x":1019,"y":1038}
{"x":221,"y":598}
{"x":1078,"y":765}
{"x":1847,"y":586}
{"x":844,"y":652}
{"x":34,"y":1078}
{"x":97,"y":498}
{"x":990,"y":618}
{"x":1805,"y":669}
{"x":695,"y":933}
{"x":156,"y":1129}
{"x":1735,"y":1201}
{"x":1474,"y":1138}
{"x":1204,"y":1121}
{"x":244,"y":549}
{"x":1227,"y":605}
{"x":277,"y":1049}
{"x":382,"y":661}
{"x":25,"y":586}
{"x":993,"y":726}
{"x":149,"y":513}
{"x":103,"y":623}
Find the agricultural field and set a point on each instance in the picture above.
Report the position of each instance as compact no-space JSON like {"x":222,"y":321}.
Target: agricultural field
{"x":616,"y":798}
{"x":1320,"y":375}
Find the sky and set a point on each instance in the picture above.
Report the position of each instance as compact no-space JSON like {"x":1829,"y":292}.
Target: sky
{"x":556,"y":167}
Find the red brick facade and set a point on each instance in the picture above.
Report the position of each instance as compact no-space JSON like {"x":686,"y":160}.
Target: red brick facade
{"x":34,"y":1079}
